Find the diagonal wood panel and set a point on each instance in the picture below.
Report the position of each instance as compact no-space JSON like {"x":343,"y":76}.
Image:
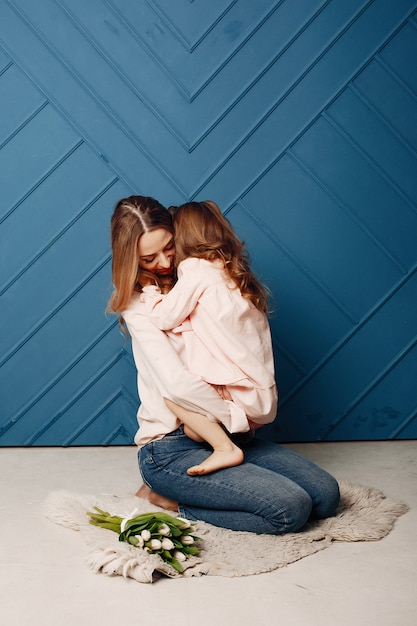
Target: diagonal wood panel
{"x":299,"y":123}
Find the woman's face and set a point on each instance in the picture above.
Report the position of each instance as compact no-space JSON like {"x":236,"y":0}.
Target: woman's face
{"x":156,"y":251}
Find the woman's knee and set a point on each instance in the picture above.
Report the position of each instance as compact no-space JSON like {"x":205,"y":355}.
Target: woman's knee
{"x":333,"y":497}
{"x":329,"y":498}
{"x":292,"y":514}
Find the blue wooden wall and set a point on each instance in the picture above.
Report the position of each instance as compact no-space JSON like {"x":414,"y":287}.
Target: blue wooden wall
{"x":298,"y":117}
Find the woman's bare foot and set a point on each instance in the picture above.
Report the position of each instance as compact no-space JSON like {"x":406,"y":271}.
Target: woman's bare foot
{"x":218,"y":460}
{"x":154,"y":498}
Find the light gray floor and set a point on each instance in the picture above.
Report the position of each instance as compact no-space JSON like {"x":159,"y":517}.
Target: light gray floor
{"x":44,"y":579}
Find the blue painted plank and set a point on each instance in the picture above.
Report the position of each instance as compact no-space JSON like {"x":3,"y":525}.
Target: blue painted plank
{"x":55,"y":343}
{"x":281,"y":48}
{"x":301,"y":42}
{"x":385,"y":407}
{"x":300,"y":306}
{"x":29,"y":417}
{"x":409,"y":430}
{"x":378,"y":141}
{"x":323,"y":237}
{"x":134,"y":165}
{"x":153,"y":44}
{"x":18,"y":101}
{"x":86,"y":420}
{"x":30,"y":155}
{"x":364,"y":192}
{"x":64,"y":269}
{"x":287,"y":373}
{"x":52,"y":207}
{"x":193,"y":20}
{"x":117,"y":88}
{"x":144,"y":123}
{"x":305,"y":102}
{"x":329,"y":392}
{"x":5,"y":60}
{"x":400,"y":54}
{"x":392,"y":99}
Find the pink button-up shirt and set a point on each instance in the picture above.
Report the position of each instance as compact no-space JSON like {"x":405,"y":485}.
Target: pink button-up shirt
{"x":227,"y":339}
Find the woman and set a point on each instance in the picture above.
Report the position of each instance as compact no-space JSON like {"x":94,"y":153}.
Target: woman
{"x":274,"y":490}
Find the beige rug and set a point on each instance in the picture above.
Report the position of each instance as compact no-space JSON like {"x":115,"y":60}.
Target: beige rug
{"x":365,"y":514}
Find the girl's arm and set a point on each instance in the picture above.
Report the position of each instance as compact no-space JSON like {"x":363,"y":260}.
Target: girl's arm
{"x":170,"y":310}
{"x":157,"y":357}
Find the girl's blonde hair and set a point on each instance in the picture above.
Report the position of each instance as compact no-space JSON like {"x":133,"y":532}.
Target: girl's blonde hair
{"x":202,"y":231}
{"x":132,"y":217}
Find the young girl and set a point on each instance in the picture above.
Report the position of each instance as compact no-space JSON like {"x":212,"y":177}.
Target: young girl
{"x":219,"y":308}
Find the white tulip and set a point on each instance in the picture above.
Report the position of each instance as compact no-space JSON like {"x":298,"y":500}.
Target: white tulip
{"x":167,"y":544}
{"x":155,"y":544}
{"x":146,"y":535}
{"x":179,"y":556}
{"x":123,"y":524}
{"x":140,"y":540}
{"x":164,"y":530}
{"x":185,"y":523}
{"x":187,"y":540}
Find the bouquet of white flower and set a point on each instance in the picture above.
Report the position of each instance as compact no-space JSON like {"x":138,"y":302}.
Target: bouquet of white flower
{"x":170,"y":537}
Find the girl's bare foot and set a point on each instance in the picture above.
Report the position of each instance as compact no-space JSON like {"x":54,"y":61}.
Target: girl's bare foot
{"x":218,"y":460}
{"x":154,"y":498}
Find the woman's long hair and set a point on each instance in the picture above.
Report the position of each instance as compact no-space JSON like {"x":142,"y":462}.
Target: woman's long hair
{"x":132,"y":217}
{"x":202,"y":231}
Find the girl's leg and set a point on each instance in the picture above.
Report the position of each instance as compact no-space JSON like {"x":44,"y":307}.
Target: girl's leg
{"x":244,"y":497}
{"x":225,"y":452}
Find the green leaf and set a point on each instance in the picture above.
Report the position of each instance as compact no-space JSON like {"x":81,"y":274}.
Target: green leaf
{"x":177,"y":565}
{"x":190,"y":550}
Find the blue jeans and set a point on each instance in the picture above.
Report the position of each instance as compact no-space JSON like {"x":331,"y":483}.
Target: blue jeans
{"x":274,"y":491}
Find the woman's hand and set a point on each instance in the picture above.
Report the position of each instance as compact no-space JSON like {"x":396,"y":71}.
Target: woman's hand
{"x":225,"y":395}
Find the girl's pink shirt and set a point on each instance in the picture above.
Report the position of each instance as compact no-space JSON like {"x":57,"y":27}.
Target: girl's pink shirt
{"x":227,"y":340}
